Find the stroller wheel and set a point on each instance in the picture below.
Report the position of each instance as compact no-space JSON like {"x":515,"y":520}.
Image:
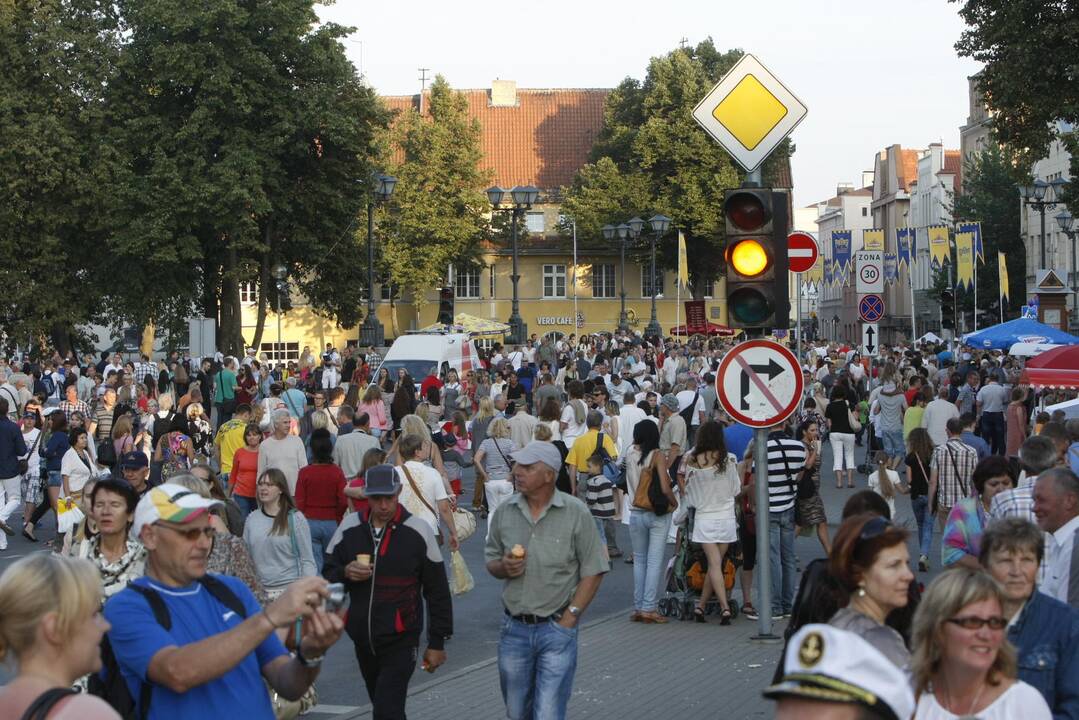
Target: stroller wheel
{"x":664,"y":607}
{"x":687,"y":610}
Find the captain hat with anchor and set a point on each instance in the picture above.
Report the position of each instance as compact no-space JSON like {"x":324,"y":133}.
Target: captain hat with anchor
{"x":836,"y":666}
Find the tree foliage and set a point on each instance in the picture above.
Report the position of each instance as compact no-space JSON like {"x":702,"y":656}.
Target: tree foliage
{"x":437,"y":214}
{"x":653,"y":157}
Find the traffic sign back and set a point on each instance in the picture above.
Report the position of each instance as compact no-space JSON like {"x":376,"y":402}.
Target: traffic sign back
{"x":802,"y":251}
{"x":749,"y":112}
{"x":759,"y":383}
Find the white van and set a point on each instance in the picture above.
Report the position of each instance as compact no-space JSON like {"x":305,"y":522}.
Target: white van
{"x":418,"y":353}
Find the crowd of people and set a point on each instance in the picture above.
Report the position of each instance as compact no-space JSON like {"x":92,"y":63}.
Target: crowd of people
{"x":248,"y":502}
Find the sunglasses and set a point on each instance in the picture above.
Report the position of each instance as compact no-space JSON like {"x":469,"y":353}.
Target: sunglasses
{"x":971,"y":622}
{"x":190,"y":534}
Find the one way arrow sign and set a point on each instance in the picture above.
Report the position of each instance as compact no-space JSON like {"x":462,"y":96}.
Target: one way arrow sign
{"x":870,"y":339}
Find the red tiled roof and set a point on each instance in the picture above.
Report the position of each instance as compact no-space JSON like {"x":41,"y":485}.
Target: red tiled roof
{"x":543,"y":140}
{"x":907,"y":172}
{"x":952,"y":166}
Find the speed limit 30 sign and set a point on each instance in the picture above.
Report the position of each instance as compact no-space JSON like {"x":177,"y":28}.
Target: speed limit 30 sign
{"x":869,"y":269}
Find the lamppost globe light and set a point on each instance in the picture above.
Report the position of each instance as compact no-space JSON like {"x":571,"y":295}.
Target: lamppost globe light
{"x":660,"y":224}
{"x":1039,"y":188}
{"x":623,"y":231}
{"x":1056,"y":187}
{"x":280,"y":271}
{"x":1065,"y":221}
{"x":1025,"y":192}
{"x":635,"y":225}
{"x":495,"y":195}
{"x":608,"y":232}
{"x":386,"y":183}
{"x":525,"y":196}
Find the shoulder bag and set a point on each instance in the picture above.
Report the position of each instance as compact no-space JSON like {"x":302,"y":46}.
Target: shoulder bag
{"x":802,"y":486}
{"x":855,"y":425}
{"x":46,"y":702}
{"x":24,"y":463}
{"x":649,"y":495}
{"x":611,"y":470}
{"x":464,"y":522}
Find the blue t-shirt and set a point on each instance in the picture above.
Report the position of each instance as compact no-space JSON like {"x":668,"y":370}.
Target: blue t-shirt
{"x":737,"y":437}
{"x":196,"y":615}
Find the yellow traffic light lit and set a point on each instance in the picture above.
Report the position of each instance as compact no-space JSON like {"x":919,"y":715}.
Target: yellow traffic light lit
{"x":749,"y":258}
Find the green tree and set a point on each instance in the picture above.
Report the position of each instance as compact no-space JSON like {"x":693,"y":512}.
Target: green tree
{"x":438,"y":212}
{"x":244,"y":133}
{"x":653,"y":157}
{"x":57,"y":57}
{"x":1030,"y":49}
{"x":990,"y":190}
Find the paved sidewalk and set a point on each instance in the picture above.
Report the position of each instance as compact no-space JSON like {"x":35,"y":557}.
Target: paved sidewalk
{"x":630,"y":670}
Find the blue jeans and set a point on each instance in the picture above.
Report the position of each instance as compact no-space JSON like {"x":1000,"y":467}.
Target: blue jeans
{"x":648,"y":534}
{"x":321,"y":533}
{"x":536,"y":664}
{"x":247,"y":505}
{"x":920,"y":506}
{"x":782,"y":561}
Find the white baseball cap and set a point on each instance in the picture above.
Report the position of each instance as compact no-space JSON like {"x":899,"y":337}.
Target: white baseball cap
{"x":171,"y":503}
{"x":827,"y":664}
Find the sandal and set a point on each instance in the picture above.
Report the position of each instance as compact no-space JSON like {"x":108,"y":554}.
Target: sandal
{"x":698,"y":614}
{"x":636,"y":616}
{"x":725,"y":617}
{"x":26,"y":528}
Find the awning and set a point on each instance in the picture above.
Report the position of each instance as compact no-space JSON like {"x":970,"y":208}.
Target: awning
{"x":474,"y":326}
{"x":709,"y":329}
{"x":1056,"y":368}
{"x":1025,"y":330}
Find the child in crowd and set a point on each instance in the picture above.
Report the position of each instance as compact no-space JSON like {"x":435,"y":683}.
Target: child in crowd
{"x":885,"y":482}
{"x":599,"y":497}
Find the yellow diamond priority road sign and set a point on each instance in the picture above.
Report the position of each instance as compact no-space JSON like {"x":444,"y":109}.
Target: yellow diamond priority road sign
{"x":749,"y":112}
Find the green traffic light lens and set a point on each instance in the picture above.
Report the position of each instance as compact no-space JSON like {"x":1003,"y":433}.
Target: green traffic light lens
{"x":749,"y":306}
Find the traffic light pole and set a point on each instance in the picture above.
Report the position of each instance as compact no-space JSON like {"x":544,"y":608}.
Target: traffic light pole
{"x":763,"y":574}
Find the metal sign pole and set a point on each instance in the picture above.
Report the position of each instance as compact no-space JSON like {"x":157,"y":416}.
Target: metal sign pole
{"x":764,"y":576}
{"x":798,"y":345}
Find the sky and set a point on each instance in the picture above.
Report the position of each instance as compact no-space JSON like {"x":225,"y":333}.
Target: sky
{"x":872,"y":73}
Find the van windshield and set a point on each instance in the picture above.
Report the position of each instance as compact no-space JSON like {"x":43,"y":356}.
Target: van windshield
{"x":418,"y":369}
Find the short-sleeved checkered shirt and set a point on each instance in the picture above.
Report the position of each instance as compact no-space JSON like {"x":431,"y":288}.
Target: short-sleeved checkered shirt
{"x":69,"y":408}
{"x":144,"y":370}
{"x":954,"y":462}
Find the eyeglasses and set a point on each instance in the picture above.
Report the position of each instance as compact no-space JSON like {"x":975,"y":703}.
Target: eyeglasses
{"x":971,"y":622}
{"x":190,"y":534}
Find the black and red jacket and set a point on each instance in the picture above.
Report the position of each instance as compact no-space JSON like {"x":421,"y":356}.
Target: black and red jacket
{"x":387,"y":609}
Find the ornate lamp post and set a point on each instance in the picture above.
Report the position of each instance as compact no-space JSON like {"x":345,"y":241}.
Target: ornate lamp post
{"x":1067,"y":226}
{"x":1042,"y":196}
{"x":660,"y":225}
{"x":280,"y":273}
{"x":523,"y":198}
{"x":609,"y":233}
{"x":371,"y":331}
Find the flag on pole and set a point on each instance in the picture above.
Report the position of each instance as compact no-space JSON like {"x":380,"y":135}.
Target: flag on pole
{"x":829,"y":277}
{"x":815,"y":276}
{"x":976,"y":229}
{"x":1002,"y":269}
{"x":964,"y":256}
{"x":841,"y":252}
{"x":683,"y":266}
{"x":891,"y":268}
{"x":873,"y":240}
{"x":938,"y":246}
{"x":902,"y":245}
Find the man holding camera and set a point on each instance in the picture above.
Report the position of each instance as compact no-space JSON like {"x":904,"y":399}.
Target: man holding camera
{"x":387,"y":559}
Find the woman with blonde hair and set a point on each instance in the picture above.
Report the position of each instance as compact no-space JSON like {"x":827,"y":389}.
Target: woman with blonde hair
{"x":199,"y":429}
{"x":481,"y":421}
{"x":493,"y":465}
{"x":429,"y":455}
{"x":962,"y":665}
{"x":51,"y":626}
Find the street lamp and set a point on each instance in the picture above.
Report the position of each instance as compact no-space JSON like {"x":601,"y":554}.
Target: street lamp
{"x":523,"y":197}
{"x":380,"y":189}
{"x":609,"y":233}
{"x":280,"y":273}
{"x":1042,"y":196}
{"x":1067,"y":226}
{"x":660,"y":225}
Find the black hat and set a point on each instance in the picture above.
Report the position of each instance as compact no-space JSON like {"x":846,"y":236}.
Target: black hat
{"x":381,"y":480}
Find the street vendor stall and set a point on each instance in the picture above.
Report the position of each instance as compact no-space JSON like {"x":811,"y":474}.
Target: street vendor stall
{"x":1023,"y":330}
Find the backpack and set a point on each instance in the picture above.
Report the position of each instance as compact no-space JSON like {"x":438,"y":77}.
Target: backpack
{"x":109,"y":683}
{"x":687,"y":414}
{"x":611,"y":469}
{"x":49,"y":384}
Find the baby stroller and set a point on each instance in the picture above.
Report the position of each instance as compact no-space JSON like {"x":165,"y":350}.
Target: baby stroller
{"x":687,"y":571}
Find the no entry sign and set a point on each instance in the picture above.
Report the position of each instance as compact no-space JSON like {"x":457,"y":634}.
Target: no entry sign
{"x":759,"y":383}
{"x":801,"y":251}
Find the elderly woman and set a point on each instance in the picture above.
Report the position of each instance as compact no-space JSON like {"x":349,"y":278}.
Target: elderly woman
{"x":117,"y":557}
{"x":1043,"y":630}
{"x":51,"y":626}
{"x":963,"y":667}
{"x":871,"y":563}
{"x":493,"y":466}
{"x":961,"y":544}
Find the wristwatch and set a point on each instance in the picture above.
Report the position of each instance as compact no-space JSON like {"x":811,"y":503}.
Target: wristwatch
{"x":308,"y":662}
{"x":574,"y":611}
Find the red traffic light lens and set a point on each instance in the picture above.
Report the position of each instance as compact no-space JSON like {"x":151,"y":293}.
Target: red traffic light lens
{"x":746,"y":211}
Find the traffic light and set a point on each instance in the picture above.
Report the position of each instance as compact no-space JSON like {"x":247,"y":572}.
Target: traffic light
{"x":445,"y":306}
{"x":756,"y":257}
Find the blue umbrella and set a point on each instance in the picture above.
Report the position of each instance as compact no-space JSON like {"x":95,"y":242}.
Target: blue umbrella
{"x":1003,"y":336}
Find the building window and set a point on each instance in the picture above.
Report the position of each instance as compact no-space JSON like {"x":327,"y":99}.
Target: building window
{"x":865,"y":212}
{"x":467,"y":284}
{"x":707,"y":288}
{"x":491,"y":294}
{"x":554,"y":281}
{"x":646,"y":281}
{"x":603,"y":281}
{"x":248,"y":292}
{"x":534,"y":223}
{"x":388,"y":290}
{"x":280,"y":352}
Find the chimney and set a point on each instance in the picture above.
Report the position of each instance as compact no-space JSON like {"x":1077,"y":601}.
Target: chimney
{"x":503,"y":93}
{"x":867,"y":178}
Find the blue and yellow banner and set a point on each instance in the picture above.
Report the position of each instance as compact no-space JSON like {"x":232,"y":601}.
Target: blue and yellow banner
{"x":891,"y":268}
{"x":964,"y":260}
{"x":829,"y":273}
{"x":873,"y":240}
{"x":815,"y":276}
{"x":939,"y":252}
{"x":841,"y":251}
{"x":903,"y":237}
{"x":976,"y":229}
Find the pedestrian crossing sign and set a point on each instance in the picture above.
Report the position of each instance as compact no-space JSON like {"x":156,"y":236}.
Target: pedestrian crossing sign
{"x":749,"y":112}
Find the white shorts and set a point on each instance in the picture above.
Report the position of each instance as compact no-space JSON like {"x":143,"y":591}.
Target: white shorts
{"x":715,"y":530}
